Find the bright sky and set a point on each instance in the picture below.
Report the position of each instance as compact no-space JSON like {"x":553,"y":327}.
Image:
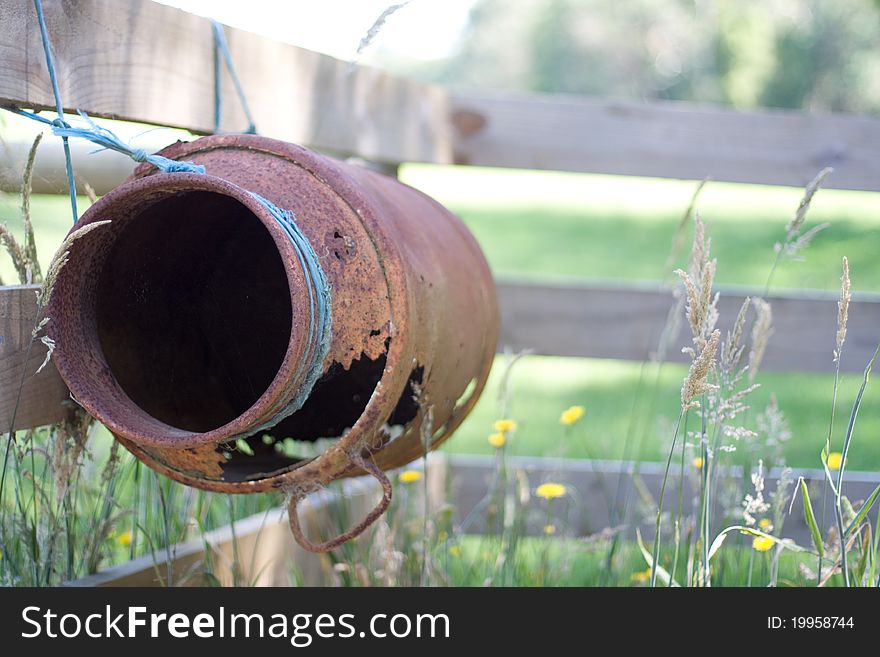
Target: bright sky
{"x":424,"y":29}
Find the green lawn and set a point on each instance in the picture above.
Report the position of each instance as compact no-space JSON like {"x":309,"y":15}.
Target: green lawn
{"x":560,"y":225}
{"x":544,"y":386}
{"x":551,"y":225}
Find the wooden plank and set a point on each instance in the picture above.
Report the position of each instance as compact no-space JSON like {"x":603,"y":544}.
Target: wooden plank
{"x":266,"y":552}
{"x":42,"y":396}
{"x":665,"y":139}
{"x":268,"y":556}
{"x":102,"y":170}
{"x":557,"y":320}
{"x":606,"y":321}
{"x":147,"y":62}
{"x":602,"y":486}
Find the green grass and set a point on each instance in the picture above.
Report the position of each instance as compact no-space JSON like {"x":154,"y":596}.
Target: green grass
{"x":567,"y":562}
{"x":543,"y":225}
{"x":544,"y":386}
{"x":558,"y":225}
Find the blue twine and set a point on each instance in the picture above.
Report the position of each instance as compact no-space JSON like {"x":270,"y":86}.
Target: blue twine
{"x":50,"y":64}
{"x":320,"y":305}
{"x":107,"y":140}
{"x":221,"y":48}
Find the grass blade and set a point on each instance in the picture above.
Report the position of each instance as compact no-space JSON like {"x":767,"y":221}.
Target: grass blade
{"x":846,"y":443}
{"x":662,"y":574}
{"x":810,"y":518}
{"x":863,"y":512}
{"x":751,"y":531}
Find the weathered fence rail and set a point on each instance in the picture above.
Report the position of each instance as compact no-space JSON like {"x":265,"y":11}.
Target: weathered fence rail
{"x":625,"y":322}
{"x":665,"y":139}
{"x":576,"y":320}
{"x":146,"y":62}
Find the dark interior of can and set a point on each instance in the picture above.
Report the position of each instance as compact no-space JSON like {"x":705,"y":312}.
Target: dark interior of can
{"x":193,"y":315}
{"x":193,"y":310}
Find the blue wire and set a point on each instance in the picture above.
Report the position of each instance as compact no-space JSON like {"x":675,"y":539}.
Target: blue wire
{"x":221,"y":47}
{"x":59,"y":122}
{"x":320,"y":309}
{"x":106,"y":139}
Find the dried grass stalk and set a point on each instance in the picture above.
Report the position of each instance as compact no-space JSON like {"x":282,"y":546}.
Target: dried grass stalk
{"x":696,"y":383}
{"x":90,"y":192}
{"x":842,"y":309}
{"x":16,"y":253}
{"x":731,"y":353}
{"x":800,"y":214}
{"x":30,"y":243}
{"x":761,"y":332}
{"x":70,"y":438}
{"x":678,"y":238}
{"x":377,"y":26}
{"x":60,"y":259}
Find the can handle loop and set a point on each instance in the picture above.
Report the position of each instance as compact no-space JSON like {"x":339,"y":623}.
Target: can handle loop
{"x":293,"y":515}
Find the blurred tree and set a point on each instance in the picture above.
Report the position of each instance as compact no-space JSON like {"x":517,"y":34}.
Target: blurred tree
{"x":812,"y":54}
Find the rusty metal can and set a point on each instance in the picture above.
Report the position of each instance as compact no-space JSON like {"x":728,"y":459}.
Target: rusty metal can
{"x":182,"y":324}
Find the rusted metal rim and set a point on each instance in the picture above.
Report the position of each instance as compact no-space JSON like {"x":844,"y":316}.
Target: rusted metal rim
{"x":79,"y":356}
{"x":400,"y":355}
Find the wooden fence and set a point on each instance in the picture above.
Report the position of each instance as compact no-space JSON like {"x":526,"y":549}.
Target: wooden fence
{"x":146,"y":62}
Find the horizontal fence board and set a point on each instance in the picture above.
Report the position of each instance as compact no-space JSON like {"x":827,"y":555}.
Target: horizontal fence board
{"x":266,"y":550}
{"x":557,"y":320}
{"x":665,"y":139}
{"x":42,"y":396}
{"x":626,"y":323}
{"x":102,"y":170}
{"x":147,"y":62}
{"x":269,"y":556}
{"x":601,"y":489}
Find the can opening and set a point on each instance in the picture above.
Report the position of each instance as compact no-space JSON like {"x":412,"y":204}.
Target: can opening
{"x":192,"y":309}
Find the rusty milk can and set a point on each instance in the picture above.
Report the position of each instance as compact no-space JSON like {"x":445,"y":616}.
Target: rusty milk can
{"x":187,"y":324}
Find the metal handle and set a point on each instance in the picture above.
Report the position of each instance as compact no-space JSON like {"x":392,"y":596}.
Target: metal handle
{"x":326,"y":546}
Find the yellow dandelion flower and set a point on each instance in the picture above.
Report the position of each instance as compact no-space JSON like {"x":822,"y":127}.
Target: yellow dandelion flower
{"x":410,"y":476}
{"x":762,"y":543}
{"x":497,"y":439}
{"x":454,"y":551}
{"x":571,"y":415}
{"x":124,"y":539}
{"x":698,"y":462}
{"x":442,"y":536}
{"x":550,"y":490}
{"x":505,"y":426}
{"x":549,"y":529}
{"x":765,"y":524}
{"x":642,"y":576}
{"x":834,"y":461}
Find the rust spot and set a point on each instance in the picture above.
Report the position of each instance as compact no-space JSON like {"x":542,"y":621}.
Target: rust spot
{"x":468,"y":122}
